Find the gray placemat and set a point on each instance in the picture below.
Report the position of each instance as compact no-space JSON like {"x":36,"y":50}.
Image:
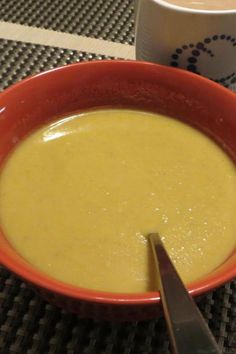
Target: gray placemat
{"x":106,"y":19}
{"x":18,"y":60}
{"x":30,"y":325}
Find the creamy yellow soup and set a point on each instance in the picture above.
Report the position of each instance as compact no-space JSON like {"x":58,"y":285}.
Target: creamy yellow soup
{"x":78,"y":198}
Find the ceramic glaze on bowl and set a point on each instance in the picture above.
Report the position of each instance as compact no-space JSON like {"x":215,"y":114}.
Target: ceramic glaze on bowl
{"x":64,"y":91}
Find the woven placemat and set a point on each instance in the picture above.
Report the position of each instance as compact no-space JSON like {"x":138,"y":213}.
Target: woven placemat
{"x":19,"y":60}
{"x":28,"y":324}
{"x":107,"y":19}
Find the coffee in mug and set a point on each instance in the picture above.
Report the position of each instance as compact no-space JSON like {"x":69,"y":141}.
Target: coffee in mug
{"x":205,"y":4}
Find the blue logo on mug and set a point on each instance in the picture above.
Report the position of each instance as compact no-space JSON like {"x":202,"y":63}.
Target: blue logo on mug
{"x":192,"y":56}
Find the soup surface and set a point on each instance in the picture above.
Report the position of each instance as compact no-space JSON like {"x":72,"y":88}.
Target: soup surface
{"x":78,"y":198}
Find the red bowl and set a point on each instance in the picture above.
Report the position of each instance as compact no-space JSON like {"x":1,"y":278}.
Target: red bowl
{"x":69,"y":89}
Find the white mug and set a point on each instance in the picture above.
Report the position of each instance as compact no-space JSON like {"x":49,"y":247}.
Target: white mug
{"x":201,"y":41}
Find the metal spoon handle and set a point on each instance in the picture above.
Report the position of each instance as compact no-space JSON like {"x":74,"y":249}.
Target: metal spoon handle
{"x":188,"y":331}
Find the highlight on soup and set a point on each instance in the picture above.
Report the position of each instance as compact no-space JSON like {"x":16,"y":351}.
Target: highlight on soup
{"x":79,"y":196}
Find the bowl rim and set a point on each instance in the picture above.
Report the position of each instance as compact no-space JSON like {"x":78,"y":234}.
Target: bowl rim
{"x":121,"y":62}
{"x":29,"y":273}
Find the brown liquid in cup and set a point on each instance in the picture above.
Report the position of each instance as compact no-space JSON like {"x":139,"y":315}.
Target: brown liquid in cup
{"x":205,"y":4}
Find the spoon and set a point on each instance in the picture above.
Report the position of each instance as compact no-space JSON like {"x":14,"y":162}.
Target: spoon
{"x":188,"y":331}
